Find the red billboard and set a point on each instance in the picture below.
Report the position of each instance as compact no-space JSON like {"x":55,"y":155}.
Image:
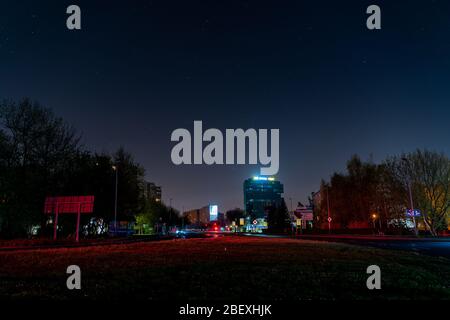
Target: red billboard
{"x":69,"y":204}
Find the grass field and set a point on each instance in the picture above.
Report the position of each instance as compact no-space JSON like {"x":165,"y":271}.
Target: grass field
{"x":223,"y":268}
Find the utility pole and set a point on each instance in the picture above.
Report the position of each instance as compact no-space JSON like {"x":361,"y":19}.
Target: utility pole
{"x":182,"y":218}
{"x":411,"y":199}
{"x":292,"y":216}
{"x":328,"y":209}
{"x":170,"y":212}
{"x":116,"y":169}
{"x":412,"y":207}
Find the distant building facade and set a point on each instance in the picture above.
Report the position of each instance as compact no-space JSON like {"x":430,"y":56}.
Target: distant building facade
{"x":201,"y":218}
{"x":152,"y":192}
{"x":304,"y":216}
{"x":260,"y":193}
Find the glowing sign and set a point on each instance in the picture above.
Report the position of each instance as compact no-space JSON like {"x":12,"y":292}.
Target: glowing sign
{"x":258,"y":178}
{"x":415,"y":213}
{"x":213,"y":212}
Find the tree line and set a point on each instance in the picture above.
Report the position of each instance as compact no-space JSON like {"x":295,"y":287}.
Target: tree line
{"x":41,"y":155}
{"x":381,"y":196}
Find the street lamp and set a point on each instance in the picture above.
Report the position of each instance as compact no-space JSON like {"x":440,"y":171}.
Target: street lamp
{"x":292,"y":217}
{"x":170,"y":212}
{"x":374,"y":217}
{"x":411,"y":198}
{"x":328,"y":210}
{"x":182,"y":217}
{"x":116,"y":169}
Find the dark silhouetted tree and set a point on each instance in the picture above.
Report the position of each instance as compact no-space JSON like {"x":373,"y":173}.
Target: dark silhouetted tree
{"x":37,"y":147}
{"x":278,"y":219}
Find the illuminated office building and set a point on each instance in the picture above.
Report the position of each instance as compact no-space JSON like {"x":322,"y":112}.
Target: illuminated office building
{"x":260,"y":193}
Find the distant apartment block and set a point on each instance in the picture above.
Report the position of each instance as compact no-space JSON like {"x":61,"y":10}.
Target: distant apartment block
{"x":203,"y":216}
{"x":152,"y":192}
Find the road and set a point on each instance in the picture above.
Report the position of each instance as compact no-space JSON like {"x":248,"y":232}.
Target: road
{"x":439,"y":247}
{"x":434,"y":247}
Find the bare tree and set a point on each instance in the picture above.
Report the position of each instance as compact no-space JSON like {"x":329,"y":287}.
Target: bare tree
{"x":36,"y":134}
{"x":36,"y":149}
{"x":429,"y":175}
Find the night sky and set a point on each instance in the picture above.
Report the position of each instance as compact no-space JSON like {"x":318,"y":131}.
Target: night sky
{"x":140,"y":69}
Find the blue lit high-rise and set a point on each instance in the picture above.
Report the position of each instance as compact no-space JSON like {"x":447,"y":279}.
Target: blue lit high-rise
{"x":260,"y":193}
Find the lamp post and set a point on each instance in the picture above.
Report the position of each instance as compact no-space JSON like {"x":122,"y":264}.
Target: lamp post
{"x":115,"y":168}
{"x":411,"y":199}
{"x":374,"y":217}
{"x":292,"y":216}
{"x":182,"y":218}
{"x":170,"y":212}
{"x":328,"y":210}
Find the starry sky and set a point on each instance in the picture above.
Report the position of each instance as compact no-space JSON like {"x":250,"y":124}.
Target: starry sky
{"x":139,"y":69}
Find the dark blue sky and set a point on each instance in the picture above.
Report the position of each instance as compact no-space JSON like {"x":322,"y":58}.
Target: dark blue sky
{"x":140,"y":69}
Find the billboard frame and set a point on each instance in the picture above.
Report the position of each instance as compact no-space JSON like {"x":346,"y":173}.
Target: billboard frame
{"x":70,"y":205}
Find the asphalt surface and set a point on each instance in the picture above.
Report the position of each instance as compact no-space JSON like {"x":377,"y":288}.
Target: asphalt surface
{"x":439,"y":247}
{"x":433,"y":247}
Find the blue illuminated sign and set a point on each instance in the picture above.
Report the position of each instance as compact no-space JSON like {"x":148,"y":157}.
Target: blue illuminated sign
{"x":213,"y":212}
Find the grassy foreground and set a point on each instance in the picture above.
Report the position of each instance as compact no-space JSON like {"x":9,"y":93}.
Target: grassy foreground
{"x":223,"y":268}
